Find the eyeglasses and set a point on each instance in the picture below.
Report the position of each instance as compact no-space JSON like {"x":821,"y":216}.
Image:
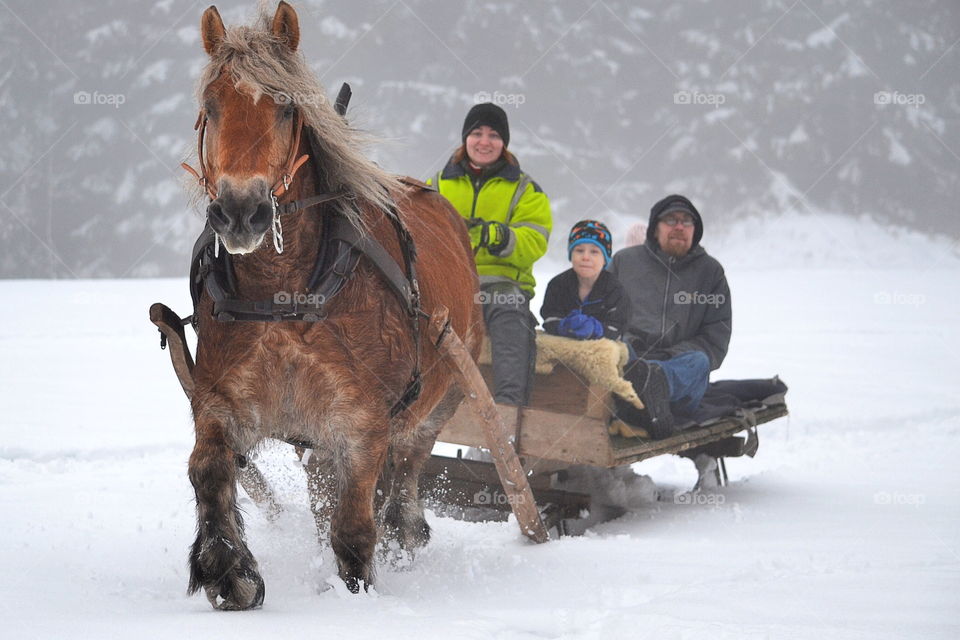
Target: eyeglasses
{"x":672,"y":221}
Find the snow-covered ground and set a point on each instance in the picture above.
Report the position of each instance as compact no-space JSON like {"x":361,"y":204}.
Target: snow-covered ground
{"x":846,"y":524}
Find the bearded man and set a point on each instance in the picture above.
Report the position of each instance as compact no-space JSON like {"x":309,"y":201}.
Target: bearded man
{"x":680,"y":322}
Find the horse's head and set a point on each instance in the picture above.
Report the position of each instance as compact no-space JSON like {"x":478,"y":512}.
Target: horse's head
{"x":247,"y":139}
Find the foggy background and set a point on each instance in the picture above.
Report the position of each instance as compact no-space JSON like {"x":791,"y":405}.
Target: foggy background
{"x":771,"y":110}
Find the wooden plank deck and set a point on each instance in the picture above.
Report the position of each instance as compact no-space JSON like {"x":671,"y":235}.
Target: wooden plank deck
{"x":566,"y":423}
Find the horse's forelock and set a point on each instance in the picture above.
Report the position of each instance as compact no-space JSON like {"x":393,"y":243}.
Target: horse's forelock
{"x":261,"y":63}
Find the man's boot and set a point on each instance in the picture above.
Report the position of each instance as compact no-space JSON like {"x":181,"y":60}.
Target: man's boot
{"x":651,"y":385}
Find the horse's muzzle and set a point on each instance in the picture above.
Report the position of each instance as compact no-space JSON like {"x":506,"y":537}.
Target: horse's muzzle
{"x":241,"y":216}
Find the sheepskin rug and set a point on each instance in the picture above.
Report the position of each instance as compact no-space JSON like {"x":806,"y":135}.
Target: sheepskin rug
{"x":600,"y":362}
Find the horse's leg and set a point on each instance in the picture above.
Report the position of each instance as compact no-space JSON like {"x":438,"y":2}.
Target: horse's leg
{"x":353,"y":532}
{"x":219,"y":559}
{"x":402,"y":516}
{"x":322,"y":489}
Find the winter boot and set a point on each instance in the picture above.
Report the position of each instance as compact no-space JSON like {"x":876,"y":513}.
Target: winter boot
{"x":651,"y":385}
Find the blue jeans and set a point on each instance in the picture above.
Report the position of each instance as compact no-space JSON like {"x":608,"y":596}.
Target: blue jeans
{"x":687,"y":375}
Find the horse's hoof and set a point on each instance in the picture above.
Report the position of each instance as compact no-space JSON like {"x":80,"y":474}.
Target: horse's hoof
{"x":227,"y":572}
{"x":407,"y":526}
{"x":419,"y":532}
{"x":237,"y":591}
{"x":353,"y":585}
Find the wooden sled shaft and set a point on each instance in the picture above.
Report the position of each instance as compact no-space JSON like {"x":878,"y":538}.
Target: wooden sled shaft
{"x":171,"y":327}
{"x":478,"y":398}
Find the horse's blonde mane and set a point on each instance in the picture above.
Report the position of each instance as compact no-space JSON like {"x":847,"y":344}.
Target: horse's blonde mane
{"x":260,"y":61}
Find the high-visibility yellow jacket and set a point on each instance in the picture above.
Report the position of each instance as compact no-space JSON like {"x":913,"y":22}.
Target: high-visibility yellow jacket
{"x":502,"y":193}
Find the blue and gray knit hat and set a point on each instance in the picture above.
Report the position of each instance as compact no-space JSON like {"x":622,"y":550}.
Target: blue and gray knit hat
{"x":594,"y":232}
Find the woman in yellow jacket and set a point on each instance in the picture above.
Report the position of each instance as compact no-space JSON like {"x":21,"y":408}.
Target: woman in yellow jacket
{"x":509,"y":220}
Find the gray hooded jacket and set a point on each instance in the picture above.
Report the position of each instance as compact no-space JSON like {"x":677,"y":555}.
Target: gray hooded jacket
{"x":677,"y":304}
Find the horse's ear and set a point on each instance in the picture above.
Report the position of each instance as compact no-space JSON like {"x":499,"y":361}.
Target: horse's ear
{"x":286,"y":26}
{"x":211,"y":29}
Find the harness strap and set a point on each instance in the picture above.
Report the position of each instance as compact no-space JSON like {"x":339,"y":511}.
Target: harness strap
{"x":409,"y":250}
{"x":200,"y":126}
{"x":396,"y":279}
{"x":300,"y":205}
{"x":293,"y":163}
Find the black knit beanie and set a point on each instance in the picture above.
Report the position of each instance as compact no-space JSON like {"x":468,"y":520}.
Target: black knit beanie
{"x":488,"y":114}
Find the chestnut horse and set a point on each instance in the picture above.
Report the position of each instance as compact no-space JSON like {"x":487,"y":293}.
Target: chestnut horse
{"x":332,"y":380}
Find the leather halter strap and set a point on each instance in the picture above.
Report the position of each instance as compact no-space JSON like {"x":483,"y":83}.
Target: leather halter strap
{"x":201,"y":127}
{"x":281,"y":186}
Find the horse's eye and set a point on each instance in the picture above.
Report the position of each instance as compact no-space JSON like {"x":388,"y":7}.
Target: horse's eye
{"x":287,"y":111}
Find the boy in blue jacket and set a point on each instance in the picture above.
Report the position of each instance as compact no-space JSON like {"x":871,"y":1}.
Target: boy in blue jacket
{"x":586,"y":302}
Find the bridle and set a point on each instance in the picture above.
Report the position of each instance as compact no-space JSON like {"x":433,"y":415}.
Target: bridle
{"x":280,"y":187}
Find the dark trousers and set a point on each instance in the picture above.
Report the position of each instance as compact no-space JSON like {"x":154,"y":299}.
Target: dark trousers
{"x":512,"y":332}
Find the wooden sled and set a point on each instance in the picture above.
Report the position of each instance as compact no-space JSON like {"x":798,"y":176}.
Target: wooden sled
{"x":568,"y":423}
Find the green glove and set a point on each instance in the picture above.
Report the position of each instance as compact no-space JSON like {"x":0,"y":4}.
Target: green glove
{"x":477,"y":228}
{"x":497,"y":237}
